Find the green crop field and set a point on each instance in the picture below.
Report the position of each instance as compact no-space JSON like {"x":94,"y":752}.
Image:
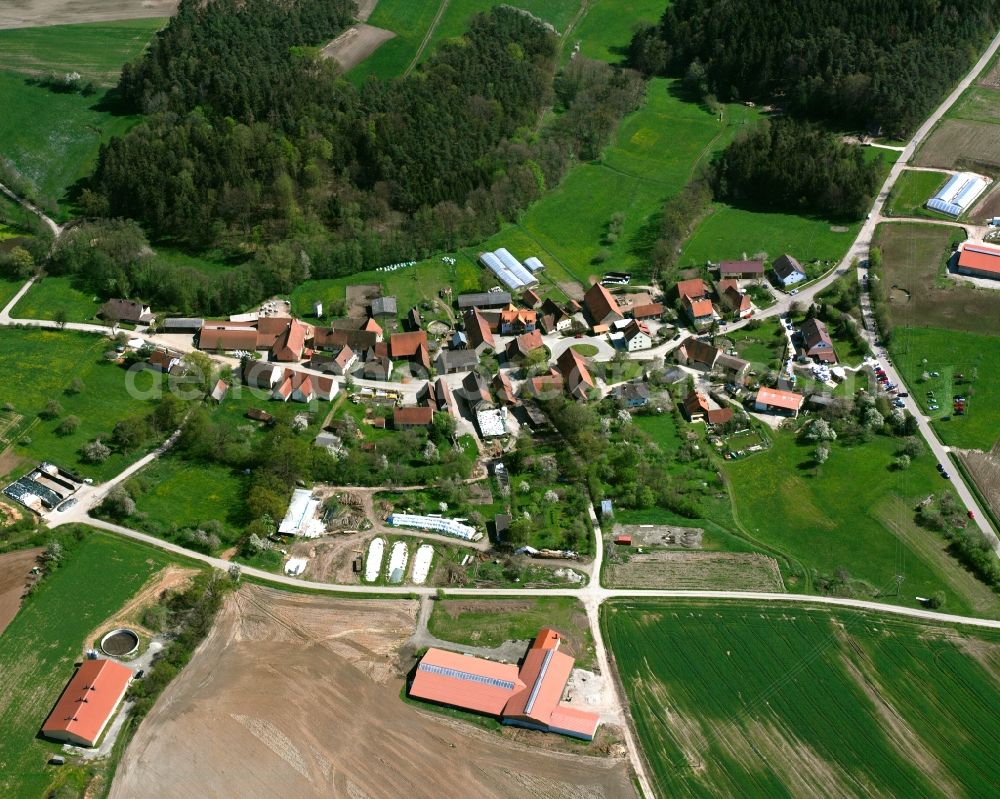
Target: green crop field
{"x":736,"y":699}
{"x":853,"y":515}
{"x":180,"y":494}
{"x":730,"y":232}
{"x":490,"y":622}
{"x":977,"y":103}
{"x":50,"y":139}
{"x":95,"y":51}
{"x":652,"y":155}
{"x":49,"y":634}
{"x":55,"y":293}
{"x":44,"y":363}
{"x":916,"y":350}
{"x":912,"y":190}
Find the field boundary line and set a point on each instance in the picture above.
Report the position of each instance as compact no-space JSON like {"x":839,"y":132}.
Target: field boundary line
{"x":427,"y":37}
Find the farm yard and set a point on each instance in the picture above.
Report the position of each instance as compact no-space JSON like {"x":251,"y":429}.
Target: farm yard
{"x":920,"y":350}
{"x":98,"y":576}
{"x":919,"y":294}
{"x":800,"y":701}
{"x":853,"y":548}
{"x":348,"y":658}
{"x":694,"y":571}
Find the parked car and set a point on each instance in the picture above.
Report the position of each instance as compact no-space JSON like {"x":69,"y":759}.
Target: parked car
{"x":945,"y":475}
{"x":904,"y":394}
{"x":971,"y":514}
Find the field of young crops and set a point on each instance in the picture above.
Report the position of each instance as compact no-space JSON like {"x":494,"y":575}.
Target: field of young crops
{"x":742,"y":700}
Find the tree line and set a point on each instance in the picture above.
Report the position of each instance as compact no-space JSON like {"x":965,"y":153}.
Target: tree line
{"x":851,"y":63}
{"x":335,"y":178}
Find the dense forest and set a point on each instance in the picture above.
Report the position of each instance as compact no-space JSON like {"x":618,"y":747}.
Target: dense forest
{"x":852,"y":63}
{"x":335,"y":177}
{"x":785,"y":165}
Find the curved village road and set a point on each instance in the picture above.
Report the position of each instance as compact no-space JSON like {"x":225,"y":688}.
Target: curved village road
{"x":30,"y":206}
{"x":593,"y":594}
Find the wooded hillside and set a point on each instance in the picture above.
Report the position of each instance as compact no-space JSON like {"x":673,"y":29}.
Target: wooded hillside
{"x":853,"y":63}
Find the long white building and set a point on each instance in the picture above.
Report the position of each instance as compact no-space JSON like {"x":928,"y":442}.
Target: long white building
{"x":435,"y":524}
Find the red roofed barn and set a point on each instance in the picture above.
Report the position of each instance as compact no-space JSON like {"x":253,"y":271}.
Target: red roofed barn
{"x":88,"y":702}
{"x":529,"y":697}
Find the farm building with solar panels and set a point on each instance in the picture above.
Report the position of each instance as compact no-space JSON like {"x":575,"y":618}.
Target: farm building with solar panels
{"x":528,"y":697}
{"x":958,"y":194}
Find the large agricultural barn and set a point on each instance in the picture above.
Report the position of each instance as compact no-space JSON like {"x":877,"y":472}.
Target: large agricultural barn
{"x":977,"y":259}
{"x":958,"y":194}
{"x":88,"y":703}
{"x":529,"y":697}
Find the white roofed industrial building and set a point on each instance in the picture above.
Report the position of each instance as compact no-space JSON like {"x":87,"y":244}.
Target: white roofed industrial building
{"x":435,"y":524}
{"x":301,"y":517}
{"x":958,"y":194}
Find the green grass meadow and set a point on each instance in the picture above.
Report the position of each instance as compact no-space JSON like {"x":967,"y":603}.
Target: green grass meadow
{"x":912,"y":190}
{"x":56,"y":293}
{"x":854,"y":515}
{"x":8,"y":288}
{"x":49,"y":634}
{"x":51,"y":138}
{"x":607,"y":27}
{"x":650,"y":158}
{"x":734,"y":699}
{"x":478,"y":623}
{"x":42,"y":364}
{"x":730,"y":232}
{"x":181,"y":494}
{"x":916,"y":350}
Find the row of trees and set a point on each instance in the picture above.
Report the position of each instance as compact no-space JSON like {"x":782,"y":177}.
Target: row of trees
{"x":852,"y":63}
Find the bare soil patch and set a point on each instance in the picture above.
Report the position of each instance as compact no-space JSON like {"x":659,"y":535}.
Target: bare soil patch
{"x":991,"y":80}
{"x":696,"y":571}
{"x":662,"y":535}
{"x":9,"y":514}
{"x":961,"y":143}
{"x":989,"y":206}
{"x":355,"y":44}
{"x":984,"y":467}
{"x":271,"y":702}
{"x":359,"y":297}
{"x":15,"y":571}
{"x":37,"y":13}
{"x":914,"y":257}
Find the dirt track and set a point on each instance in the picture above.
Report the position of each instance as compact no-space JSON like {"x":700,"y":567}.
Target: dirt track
{"x":271,"y":705}
{"x":37,"y":13}
{"x":14,"y":569}
{"x":355,"y":44}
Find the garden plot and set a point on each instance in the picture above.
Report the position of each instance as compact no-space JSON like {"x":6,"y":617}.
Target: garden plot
{"x":735,"y":571}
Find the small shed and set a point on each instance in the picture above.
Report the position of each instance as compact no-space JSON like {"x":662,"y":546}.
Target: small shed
{"x":623,"y":540}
